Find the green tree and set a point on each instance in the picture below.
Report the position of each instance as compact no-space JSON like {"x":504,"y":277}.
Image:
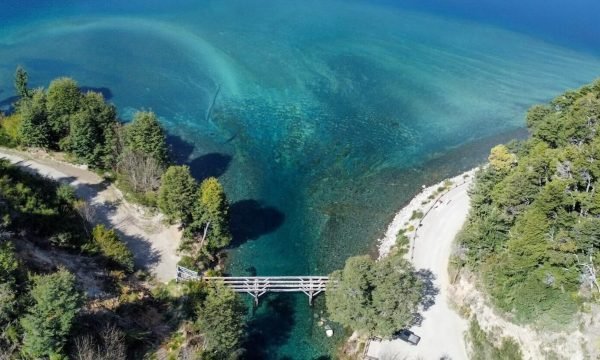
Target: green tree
{"x":221,"y":321}
{"x":176,"y":193}
{"x":35,"y":130}
{"x":84,"y":140}
{"x":376,"y":298}
{"x":144,"y":134}
{"x":49,"y":320}
{"x":64,"y":100}
{"x":211,"y":211}
{"x":8,"y":272}
{"x":21,"y":79}
{"x":91,"y":131}
{"x":112,"y":247}
{"x":501,"y":159}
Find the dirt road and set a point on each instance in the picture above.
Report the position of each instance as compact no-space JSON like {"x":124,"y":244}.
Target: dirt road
{"x":442,"y":330}
{"x":153,"y":244}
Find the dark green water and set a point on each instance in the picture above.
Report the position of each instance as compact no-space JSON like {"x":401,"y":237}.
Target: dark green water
{"x":327,"y":116}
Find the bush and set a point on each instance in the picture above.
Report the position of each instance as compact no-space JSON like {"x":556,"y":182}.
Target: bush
{"x":112,"y":247}
{"x":416,"y":215}
{"x":10,"y":133}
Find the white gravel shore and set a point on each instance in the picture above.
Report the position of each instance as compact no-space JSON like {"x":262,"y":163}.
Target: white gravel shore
{"x":444,"y":212}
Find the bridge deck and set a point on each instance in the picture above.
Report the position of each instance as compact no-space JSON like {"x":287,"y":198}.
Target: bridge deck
{"x":257,"y":286}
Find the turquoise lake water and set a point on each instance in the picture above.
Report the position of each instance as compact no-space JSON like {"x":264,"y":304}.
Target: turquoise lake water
{"x":322,"y":118}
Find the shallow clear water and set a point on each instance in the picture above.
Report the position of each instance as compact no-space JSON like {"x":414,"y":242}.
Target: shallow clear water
{"x":321,"y":118}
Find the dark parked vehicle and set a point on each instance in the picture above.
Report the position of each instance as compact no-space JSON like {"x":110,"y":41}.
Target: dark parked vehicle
{"x":409,"y":336}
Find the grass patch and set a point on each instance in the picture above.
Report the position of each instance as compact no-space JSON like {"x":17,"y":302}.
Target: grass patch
{"x":484,"y":348}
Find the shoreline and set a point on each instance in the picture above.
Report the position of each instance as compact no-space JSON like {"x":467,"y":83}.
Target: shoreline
{"x":420,"y":202}
{"x":431,"y":221}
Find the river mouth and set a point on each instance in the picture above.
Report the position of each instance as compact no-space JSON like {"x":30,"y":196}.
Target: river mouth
{"x":321,"y":119}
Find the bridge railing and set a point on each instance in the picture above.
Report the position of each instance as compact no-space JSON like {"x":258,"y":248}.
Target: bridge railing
{"x":256,"y":286}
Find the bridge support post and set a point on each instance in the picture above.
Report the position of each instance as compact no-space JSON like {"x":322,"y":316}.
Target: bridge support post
{"x":255,"y":296}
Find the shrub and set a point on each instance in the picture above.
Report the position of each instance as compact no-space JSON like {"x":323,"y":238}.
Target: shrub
{"x":112,"y":247}
{"x":10,"y":133}
{"x":416,"y":215}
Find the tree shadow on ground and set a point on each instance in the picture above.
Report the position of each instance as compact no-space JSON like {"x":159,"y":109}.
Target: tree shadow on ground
{"x":430,"y":291}
{"x":272,"y":327}
{"x":209,"y":165}
{"x":145,"y":256}
{"x":250,"y":219}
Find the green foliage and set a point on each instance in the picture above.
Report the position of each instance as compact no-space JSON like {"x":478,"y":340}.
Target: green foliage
{"x":212,"y":209}
{"x":8,"y":275}
{"x":416,"y":215}
{"x":21,"y":79}
{"x":10,"y":126}
{"x":112,"y":247}
{"x":35,"y":129}
{"x":483,"y":348}
{"x":532,"y":222}
{"x":90,"y":130}
{"x":376,"y":298}
{"x":8,"y":263}
{"x":49,"y":320}
{"x":145,"y":134}
{"x":29,"y":199}
{"x":63,"y":101}
{"x":501,"y":159}
{"x":176,"y":193}
{"x":221,"y":321}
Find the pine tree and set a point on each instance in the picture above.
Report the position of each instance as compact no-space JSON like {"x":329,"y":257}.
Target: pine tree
{"x":221,"y":321}
{"x":176,"y":193}
{"x":144,"y":134}
{"x":21,"y":79}
{"x":49,"y":320}
{"x":211,"y":211}
{"x":63,"y":101}
{"x":35,"y":129}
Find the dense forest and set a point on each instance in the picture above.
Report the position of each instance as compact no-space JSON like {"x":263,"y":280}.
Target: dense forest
{"x":533,"y":233}
{"x":69,"y":287}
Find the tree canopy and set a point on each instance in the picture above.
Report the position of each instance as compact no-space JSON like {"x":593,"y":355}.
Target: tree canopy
{"x":63,"y":100}
{"x":176,"y":193}
{"x":21,"y":79}
{"x":533,"y":228}
{"x":375,"y":298}
{"x":49,"y":321}
{"x":221,"y":321}
{"x":144,"y":134}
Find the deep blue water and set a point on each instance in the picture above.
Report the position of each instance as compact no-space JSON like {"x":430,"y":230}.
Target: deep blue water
{"x":327,"y":116}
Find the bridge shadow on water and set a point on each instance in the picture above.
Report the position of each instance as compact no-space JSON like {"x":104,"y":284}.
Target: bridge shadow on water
{"x":271,"y":326}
